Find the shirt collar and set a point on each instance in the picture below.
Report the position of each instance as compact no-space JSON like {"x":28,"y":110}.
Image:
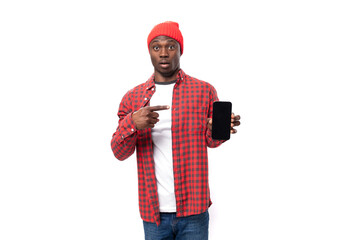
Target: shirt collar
{"x":150,"y":83}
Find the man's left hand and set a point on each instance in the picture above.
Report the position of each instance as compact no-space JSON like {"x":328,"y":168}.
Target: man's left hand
{"x":235,"y":121}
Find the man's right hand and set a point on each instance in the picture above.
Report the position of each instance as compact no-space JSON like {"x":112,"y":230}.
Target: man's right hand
{"x":147,"y":117}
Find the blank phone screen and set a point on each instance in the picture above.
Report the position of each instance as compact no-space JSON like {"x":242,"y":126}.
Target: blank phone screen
{"x":221,"y":120}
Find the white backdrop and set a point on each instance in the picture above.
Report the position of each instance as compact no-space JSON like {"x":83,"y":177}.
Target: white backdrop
{"x":290,"y":68}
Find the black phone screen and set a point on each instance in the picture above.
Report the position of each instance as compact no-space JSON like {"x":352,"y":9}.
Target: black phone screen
{"x":221,"y":120}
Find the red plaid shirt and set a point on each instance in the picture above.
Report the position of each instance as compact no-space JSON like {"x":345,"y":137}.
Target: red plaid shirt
{"x":191,"y":106}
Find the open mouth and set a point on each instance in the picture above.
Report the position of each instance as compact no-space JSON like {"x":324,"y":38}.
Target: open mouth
{"x":164,"y":64}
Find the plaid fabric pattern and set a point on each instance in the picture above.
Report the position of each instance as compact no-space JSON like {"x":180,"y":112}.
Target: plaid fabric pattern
{"x":191,"y":106}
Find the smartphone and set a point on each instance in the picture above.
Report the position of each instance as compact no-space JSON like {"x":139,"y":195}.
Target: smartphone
{"x":221,"y":120}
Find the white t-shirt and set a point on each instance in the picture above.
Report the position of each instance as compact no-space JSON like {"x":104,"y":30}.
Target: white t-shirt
{"x":162,"y":144}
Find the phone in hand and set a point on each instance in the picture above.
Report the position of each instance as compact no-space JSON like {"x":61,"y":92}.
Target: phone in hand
{"x":221,"y":120}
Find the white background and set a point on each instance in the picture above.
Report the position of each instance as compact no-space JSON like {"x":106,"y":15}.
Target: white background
{"x":290,"y":68}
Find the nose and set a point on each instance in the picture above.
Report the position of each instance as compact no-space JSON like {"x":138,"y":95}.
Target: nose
{"x":164,"y":52}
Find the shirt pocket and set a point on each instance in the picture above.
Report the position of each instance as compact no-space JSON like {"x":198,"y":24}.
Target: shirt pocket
{"x":194,"y":118}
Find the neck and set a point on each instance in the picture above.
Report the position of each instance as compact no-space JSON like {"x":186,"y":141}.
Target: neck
{"x":161,"y":77}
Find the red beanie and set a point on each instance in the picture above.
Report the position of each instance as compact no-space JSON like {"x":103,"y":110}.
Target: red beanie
{"x":170,"y":29}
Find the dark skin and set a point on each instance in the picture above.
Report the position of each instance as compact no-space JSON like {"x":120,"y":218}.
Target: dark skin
{"x":165,"y":57}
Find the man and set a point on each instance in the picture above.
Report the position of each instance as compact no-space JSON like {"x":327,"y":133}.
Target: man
{"x":168,"y":120}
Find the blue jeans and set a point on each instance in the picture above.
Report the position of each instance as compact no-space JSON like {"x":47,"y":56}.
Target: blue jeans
{"x":195,"y":227}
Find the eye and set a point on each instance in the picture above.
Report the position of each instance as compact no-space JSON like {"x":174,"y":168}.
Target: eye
{"x":172,"y":47}
{"x":156,"y":48}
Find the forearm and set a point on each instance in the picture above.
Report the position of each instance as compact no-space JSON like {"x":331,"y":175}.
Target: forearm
{"x":123,"y":141}
{"x":211,"y":143}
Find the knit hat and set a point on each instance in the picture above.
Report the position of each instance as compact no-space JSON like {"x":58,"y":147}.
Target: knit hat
{"x":170,"y":29}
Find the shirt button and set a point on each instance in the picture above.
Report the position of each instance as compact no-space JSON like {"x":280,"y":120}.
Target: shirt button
{"x":132,"y":129}
{"x":145,"y":98}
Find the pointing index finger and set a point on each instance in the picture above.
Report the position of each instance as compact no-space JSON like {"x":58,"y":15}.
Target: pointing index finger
{"x":159,"y":108}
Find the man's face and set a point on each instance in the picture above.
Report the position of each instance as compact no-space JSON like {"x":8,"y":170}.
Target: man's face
{"x":165,"y":55}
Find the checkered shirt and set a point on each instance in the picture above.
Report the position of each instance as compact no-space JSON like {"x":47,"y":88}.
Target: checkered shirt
{"x":191,"y":106}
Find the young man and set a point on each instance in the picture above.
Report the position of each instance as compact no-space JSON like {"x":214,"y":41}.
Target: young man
{"x":168,"y":120}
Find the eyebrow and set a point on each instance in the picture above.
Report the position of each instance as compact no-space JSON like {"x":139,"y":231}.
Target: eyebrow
{"x":168,"y":40}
